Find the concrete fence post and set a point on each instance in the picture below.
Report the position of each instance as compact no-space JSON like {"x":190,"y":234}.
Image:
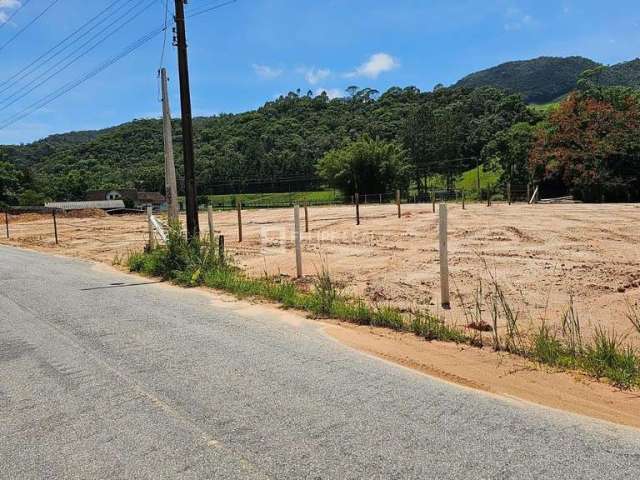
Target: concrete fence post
{"x":296,"y":221}
{"x":444,"y":257}
{"x":149,"y":215}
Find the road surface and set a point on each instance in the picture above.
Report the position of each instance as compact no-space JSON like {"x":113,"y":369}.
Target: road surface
{"x":107,"y":375}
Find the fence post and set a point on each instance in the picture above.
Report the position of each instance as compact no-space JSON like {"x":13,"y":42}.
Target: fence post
{"x":433,"y":201}
{"x":149,"y":214}
{"x":444,"y":257}
{"x":357,"y":197}
{"x":296,"y":221}
{"x":6,"y":221}
{"x":380,"y":195}
{"x":463,"y":199}
{"x":306,"y":217}
{"x":221,"y":248}
{"x":55,"y":225}
{"x":211,"y":230}
{"x":239,"y":208}
{"x":398,"y":203}
{"x":509,"y":192}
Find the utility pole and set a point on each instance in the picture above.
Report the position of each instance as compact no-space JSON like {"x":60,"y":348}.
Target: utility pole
{"x":193,"y":229}
{"x":171,"y":188}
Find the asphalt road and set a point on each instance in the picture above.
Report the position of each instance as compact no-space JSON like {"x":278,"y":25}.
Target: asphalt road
{"x":105,"y":375}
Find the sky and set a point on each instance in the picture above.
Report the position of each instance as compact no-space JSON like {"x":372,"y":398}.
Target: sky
{"x":251,"y":51}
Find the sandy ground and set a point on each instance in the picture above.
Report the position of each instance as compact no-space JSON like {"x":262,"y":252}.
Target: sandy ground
{"x":542,"y":255}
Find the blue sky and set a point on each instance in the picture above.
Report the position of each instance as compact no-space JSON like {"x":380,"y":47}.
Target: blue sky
{"x":251,"y":51}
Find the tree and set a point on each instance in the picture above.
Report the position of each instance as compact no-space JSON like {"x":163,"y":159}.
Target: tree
{"x":509,"y":151}
{"x":366,"y":166}
{"x":9,"y":183}
{"x":590,"y":147}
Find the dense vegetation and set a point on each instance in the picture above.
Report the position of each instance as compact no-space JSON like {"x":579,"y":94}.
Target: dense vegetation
{"x":539,"y":80}
{"x":278,"y":146}
{"x":547,"y":79}
{"x":584,"y":144}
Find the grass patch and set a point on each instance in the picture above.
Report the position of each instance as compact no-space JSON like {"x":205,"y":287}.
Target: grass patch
{"x":197,"y":263}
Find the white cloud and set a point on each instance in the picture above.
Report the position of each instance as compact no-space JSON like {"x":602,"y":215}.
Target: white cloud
{"x":3,"y":17}
{"x":9,"y":4}
{"x":267,"y":72}
{"x":378,"y":63}
{"x":516,"y":19}
{"x":314,"y":75}
{"x":331,"y":92}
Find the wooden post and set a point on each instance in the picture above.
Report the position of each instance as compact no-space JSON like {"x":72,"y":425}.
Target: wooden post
{"x":463,"y":199}
{"x":528,"y":192}
{"x":444,"y":257}
{"x":357,"y":197}
{"x":296,"y":221}
{"x":306,"y":217}
{"x":211,"y":229}
{"x":221,"y":248}
{"x":380,"y":195}
{"x":55,"y":225}
{"x":6,"y":221}
{"x":398,"y":203}
{"x":239,"y":207}
{"x":149,"y":214}
{"x":433,"y":201}
{"x":509,"y":193}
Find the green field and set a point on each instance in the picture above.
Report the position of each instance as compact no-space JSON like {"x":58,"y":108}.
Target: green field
{"x":275,"y":199}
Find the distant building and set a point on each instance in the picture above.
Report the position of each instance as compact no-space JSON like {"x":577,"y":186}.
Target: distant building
{"x":128,"y":195}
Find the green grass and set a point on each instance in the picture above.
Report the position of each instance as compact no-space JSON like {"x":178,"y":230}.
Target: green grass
{"x":469,"y":179}
{"x":197,"y":263}
{"x":545,"y":108}
{"x":276,"y":199}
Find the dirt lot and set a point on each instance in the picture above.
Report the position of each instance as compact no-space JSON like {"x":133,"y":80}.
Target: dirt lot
{"x":541,"y":254}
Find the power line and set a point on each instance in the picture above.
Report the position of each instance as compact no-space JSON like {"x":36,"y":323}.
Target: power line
{"x":209,"y":9}
{"x":21,"y":74}
{"x":10,"y":17}
{"x":19,"y":32}
{"x":164,"y":39}
{"x":44,"y":101}
{"x":129,"y":18}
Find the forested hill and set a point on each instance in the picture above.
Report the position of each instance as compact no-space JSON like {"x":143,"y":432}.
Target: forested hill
{"x":269,"y":148}
{"x":539,"y":80}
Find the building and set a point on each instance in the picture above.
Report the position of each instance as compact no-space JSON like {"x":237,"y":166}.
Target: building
{"x":129,"y":196}
{"x":100,"y":204}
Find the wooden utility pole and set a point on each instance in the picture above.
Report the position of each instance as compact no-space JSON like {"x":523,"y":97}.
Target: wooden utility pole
{"x":171,"y":188}
{"x":193,"y":228}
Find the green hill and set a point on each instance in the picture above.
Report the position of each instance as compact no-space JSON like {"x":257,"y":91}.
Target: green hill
{"x":539,"y":80}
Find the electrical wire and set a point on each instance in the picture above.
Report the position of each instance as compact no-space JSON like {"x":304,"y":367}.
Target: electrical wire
{"x":10,"y":17}
{"x":164,"y":40}
{"x":25,"y":71}
{"x":22,"y":30}
{"x":44,"y":101}
{"x":209,"y":9}
{"x":128,"y":16}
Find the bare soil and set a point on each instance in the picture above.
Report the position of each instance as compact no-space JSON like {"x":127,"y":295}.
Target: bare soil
{"x":541,"y":255}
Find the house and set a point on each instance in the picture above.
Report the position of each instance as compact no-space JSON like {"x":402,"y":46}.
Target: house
{"x":129,"y":196}
{"x":100,"y":204}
